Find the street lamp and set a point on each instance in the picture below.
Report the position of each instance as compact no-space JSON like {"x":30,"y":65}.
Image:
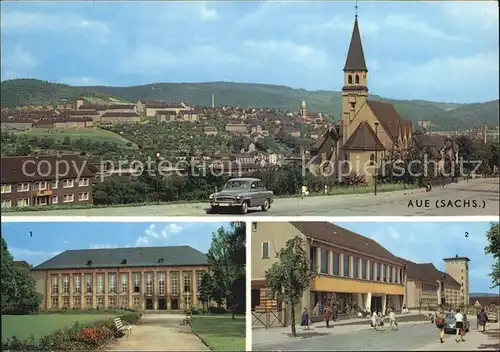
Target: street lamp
{"x":157,"y":156}
{"x":376,"y":158}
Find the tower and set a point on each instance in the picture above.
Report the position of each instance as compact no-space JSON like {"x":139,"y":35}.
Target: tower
{"x":355,"y":89}
{"x":303,"y":109}
{"x":458,"y":268}
{"x":213,"y":101}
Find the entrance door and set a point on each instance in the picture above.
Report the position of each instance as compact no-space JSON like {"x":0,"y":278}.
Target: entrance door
{"x":149,"y":304}
{"x":175,"y":303}
{"x":162,"y":303}
{"x":376,"y":303}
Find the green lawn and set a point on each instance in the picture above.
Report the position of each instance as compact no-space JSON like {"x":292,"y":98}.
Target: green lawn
{"x":94,"y":134}
{"x":221,"y":332}
{"x":22,"y":326}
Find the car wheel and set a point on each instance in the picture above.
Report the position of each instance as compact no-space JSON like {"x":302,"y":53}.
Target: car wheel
{"x":265,"y":207}
{"x":213,"y":209}
{"x":244,"y":208}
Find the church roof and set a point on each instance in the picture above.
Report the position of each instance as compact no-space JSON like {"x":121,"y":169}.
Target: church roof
{"x":355,"y":57}
{"x":388,"y":117}
{"x":363,"y":138}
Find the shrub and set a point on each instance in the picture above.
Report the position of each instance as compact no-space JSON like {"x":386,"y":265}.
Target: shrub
{"x":77,"y":337}
{"x":217,"y":310}
{"x":194,"y":311}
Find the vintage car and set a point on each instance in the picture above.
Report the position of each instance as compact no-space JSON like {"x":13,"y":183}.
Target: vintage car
{"x":242,"y":194}
{"x":450,"y":323}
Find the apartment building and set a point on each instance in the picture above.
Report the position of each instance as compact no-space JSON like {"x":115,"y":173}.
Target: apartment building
{"x":352,"y":270}
{"x":152,"y":278}
{"x":44,"y":180}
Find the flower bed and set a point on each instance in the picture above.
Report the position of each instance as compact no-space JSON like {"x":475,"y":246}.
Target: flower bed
{"x":79,"y":337}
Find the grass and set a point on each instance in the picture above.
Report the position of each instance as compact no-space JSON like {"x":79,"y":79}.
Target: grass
{"x":220,"y":332}
{"x":39,"y":325}
{"x":331,"y":192}
{"x":94,"y":134}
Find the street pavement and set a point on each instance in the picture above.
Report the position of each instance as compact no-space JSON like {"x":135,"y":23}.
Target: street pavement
{"x":410,"y":336}
{"x":485,"y":192}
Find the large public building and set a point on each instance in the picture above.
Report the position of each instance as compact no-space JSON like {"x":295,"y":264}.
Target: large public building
{"x":352,"y":270}
{"x":149,"y":278}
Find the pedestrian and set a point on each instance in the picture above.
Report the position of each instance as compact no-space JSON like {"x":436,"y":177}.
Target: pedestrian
{"x":482,"y":319}
{"x":374,"y":319}
{"x":305,"y":192}
{"x":327,"y":312}
{"x":440,"y":323}
{"x":459,"y":325}
{"x":335,"y":311}
{"x":305,"y":319}
{"x":392,"y":320}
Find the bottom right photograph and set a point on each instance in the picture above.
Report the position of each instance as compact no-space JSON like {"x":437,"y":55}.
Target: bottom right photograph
{"x":375,"y":285}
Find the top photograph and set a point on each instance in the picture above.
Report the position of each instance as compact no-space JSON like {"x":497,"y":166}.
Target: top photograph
{"x":249,"y":108}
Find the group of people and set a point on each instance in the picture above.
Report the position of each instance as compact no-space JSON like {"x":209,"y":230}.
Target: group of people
{"x":459,"y":317}
{"x":378,"y":320}
{"x":330,"y":311}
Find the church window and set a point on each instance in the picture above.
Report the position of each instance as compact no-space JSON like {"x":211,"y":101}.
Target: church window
{"x":372,"y":159}
{"x":349,"y":79}
{"x":357,"y":79}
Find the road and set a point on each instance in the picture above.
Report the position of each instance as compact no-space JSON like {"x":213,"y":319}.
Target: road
{"x":407,"y":338}
{"x":485,"y":192}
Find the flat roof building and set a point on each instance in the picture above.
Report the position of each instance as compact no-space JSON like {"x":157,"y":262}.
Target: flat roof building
{"x":151,"y":278}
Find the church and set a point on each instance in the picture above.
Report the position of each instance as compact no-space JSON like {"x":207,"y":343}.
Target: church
{"x":369,"y":131}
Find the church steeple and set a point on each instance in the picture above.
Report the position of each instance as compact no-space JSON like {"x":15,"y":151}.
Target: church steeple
{"x":355,"y":57}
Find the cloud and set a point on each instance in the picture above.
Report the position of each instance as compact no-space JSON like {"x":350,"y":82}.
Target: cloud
{"x":83,"y":81}
{"x":18,"y":63}
{"x":207,"y":13}
{"x":308,"y":56}
{"x":153,"y":234}
{"x":411,"y":23}
{"x":477,"y":13}
{"x":340,"y":23}
{"x":102,"y":246}
{"x":142,"y":241}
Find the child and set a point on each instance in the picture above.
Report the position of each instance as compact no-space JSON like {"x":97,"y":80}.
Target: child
{"x":305,"y":319}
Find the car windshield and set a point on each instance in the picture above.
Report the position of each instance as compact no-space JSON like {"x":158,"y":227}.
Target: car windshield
{"x":450,"y":316}
{"x":231,"y":184}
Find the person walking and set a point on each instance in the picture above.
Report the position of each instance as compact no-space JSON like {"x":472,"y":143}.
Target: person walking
{"x":459,"y":325}
{"x":327,"y":312}
{"x":304,"y":321}
{"x":440,"y":322}
{"x":482,"y":319}
{"x":335,"y":311}
{"x":375,"y":320}
{"x":392,"y":320}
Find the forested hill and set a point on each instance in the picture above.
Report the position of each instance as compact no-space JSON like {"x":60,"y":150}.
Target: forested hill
{"x":445,"y":116}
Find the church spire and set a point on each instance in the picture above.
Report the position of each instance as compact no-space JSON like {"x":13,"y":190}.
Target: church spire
{"x":355,"y":57}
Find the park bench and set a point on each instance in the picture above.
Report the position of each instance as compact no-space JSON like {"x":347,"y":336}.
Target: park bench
{"x":121,"y":327}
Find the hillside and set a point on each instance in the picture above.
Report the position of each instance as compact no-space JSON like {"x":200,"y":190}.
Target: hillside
{"x":34,"y":92}
{"x":445,"y":116}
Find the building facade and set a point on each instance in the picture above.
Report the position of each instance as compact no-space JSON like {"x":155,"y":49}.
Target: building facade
{"x":352,"y":270}
{"x":152,"y":278}
{"x":44,"y":180}
{"x":458,"y":268}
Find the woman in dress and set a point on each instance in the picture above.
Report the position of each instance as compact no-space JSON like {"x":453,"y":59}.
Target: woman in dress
{"x":305,"y":319}
{"x":482,"y":319}
{"x":440,"y":322}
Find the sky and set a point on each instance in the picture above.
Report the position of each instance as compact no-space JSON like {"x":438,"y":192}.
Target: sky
{"x":440,"y":51}
{"x":430,"y":242}
{"x":50,"y":239}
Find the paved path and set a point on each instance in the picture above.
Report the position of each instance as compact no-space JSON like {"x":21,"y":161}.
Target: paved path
{"x":159,"y":332}
{"x":483,"y":191}
{"x":410,"y":336}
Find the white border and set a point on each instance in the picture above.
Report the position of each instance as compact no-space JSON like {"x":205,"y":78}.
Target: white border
{"x":248,"y":291}
{"x":249,"y":219}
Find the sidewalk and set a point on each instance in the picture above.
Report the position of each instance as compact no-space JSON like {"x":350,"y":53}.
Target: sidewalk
{"x":474,"y":340}
{"x":282,"y":334}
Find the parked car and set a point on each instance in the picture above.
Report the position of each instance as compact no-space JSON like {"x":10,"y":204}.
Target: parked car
{"x":450,"y":324}
{"x":242,"y":194}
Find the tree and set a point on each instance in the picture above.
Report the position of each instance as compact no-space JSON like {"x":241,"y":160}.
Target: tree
{"x":493,"y":248}
{"x":18,"y":290}
{"x":206,"y":288}
{"x":290,"y":276}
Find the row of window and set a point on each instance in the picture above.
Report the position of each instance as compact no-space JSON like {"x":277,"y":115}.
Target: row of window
{"x":368,"y":271}
{"x":43,"y":185}
{"x":113,"y":302}
{"x":426,"y":287}
{"x":123,"y":286}
{"x":66,"y":198}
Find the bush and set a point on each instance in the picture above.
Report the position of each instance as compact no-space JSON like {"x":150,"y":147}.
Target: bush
{"x":217,"y":310}
{"x":77,"y":337}
{"x":195,"y":311}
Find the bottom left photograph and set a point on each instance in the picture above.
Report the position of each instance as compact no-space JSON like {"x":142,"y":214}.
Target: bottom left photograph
{"x":123,"y":286}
